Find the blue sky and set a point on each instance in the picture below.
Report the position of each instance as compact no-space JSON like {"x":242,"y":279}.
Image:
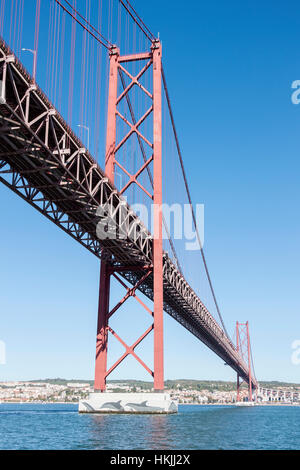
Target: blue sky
{"x":229,"y":66}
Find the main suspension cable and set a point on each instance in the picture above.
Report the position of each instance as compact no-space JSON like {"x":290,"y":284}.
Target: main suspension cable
{"x":89,"y":24}
{"x":137,"y":20}
{"x":252,"y":362}
{"x":148,"y":170}
{"x":85,"y":27}
{"x":190,"y":199}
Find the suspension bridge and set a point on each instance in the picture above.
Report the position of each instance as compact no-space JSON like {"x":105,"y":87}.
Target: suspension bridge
{"x":129,"y":120}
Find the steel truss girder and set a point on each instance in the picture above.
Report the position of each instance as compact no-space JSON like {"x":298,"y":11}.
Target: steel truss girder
{"x":38,"y":144}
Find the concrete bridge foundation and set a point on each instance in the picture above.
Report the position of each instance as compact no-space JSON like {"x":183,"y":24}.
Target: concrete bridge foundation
{"x":107,"y":402}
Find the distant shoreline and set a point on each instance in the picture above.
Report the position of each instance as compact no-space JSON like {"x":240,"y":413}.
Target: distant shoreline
{"x":233,"y":404}
{"x":39,"y":403}
{"x":180,"y":404}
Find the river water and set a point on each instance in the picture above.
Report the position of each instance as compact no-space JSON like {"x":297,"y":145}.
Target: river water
{"x":59,"y":426}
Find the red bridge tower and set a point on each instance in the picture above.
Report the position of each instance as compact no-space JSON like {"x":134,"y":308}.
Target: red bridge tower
{"x":118,"y":68}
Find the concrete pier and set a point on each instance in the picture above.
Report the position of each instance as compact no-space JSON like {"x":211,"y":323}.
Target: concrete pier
{"x":145,"y":403}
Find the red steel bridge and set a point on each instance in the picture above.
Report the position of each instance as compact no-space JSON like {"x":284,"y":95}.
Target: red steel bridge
{"x":46,"y":164}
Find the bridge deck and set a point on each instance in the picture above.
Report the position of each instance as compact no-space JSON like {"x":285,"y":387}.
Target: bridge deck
{"x":46,"y":164}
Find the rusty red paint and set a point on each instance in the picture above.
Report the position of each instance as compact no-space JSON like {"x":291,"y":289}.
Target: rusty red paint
{"x":156,"y":269}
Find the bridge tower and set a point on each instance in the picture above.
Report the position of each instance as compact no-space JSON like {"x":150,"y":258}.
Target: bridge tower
{"x":244,"y":348}
{"x":119,"y":75}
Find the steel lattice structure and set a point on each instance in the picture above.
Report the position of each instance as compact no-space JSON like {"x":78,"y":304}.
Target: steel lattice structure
{"x":43,"y":162}
{"x":244,"y":348}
